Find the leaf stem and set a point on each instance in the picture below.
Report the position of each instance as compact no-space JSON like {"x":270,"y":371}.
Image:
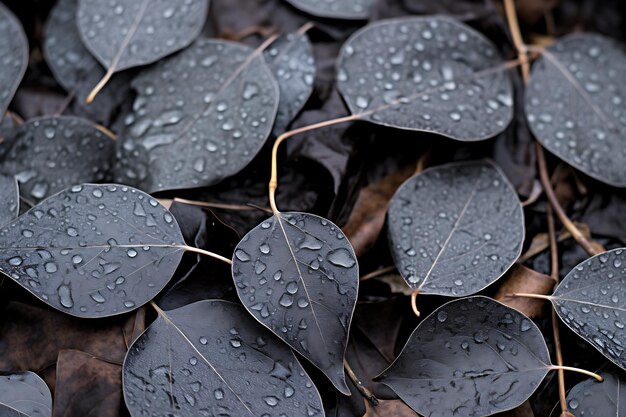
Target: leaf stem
{"x":414,"y":302}
{"x":581,"y":371}
{"x":516,"y":34}
{"x":365,"y":392}
{"x":539,"y":296}
{"x":207,"y":253}
{"x":107,"y":77}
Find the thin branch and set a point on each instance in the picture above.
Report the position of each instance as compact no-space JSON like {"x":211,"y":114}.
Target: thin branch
{"x":378,"y":273}
{"x":518,"y":40}
{"x":365,"y":392}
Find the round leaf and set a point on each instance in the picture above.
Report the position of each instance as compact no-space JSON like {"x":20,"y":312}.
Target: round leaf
{"x":592,"y":398}
{"x":138,"y":32}
{"x":297,"y":274}
{"x":10,"y":197}
{"x":291,"y":60}
{"x":199,"y":117}
{"x":14,"y":53}
{"x":210,"y":358}
{"x":93,"y":250}
{"x":472,"y":357}
{"x":455,"y":229}
{"x":430,"y":74}
{"x":339,"y":9}
{"x":24,"y":394}
{"x":591,"y":300}
{"x":52,"y":153}
{"x":574,"y":105}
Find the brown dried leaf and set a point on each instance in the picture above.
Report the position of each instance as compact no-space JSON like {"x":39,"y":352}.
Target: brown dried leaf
{"x":521,"y":279}
{"x":388,"y":408}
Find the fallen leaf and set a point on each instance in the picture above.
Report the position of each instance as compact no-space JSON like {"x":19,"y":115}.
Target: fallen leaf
{"x":521,"y":279}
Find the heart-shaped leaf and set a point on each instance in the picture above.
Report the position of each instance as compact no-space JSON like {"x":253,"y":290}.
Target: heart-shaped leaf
{"x":591,"y":300}
{"x":472,"y":357}
{"x":199,"y":117}
{"x":14,"y":53}
{"x":52,"y":153}
{"x":431,"y":74}
{"x":455,"y":229}
{"x":339,"y":9}
{"x":575,"y":105}
{"x":291,"y":60}
{"x":130,"y":33}
{"x":10,"y":197}
{"x":93,"y":250}
{"x":73,"y":66}
{"x":297,"y":274}
{"x":592,"y":398}
{"x":210,"y":358}
{"x":24,"y":394}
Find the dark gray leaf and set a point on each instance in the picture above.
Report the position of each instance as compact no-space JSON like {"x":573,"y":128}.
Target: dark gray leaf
{"x":591,"y":398}
{"x":291,"y":60}
{"x":299,"y":277}
{"x":575,"y":105}
{"x":10,"y":198}
{"x":138,"y":32}
{"x":73,"y":66}
{"x":456,"y":228}
{"x":591,"y":300}
{"x":339,"y":9}
{"x":52,"y":153}
{"x":14,"y":53}
{"x":93,"y":250}
{"x":210,"y":358}
{"x":431,"y":74}
{"x":24,"y":394}
{"x":472,"y":357}
{"x":199,"y":117}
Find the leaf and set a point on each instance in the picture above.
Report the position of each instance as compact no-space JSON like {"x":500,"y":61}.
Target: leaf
{"x":431,"y":74}
{"x":291,"y":60}
{"x":456,"y":228}
{"x":574,"y":104}
{"x":10,"y":197}
{"x":223,"y":364}
{"x":299,"y":277}
{"x":591,"y":301}
{"x":472,"y":357}
{"x":14,"y":53}
{"x":73,"y":66}
{"x":132,"y":33}
{"x":24,"y":394}
{"x":593,"y":398}
{"x":52,"y":153}
{"x":338,"y":9}
{"x":521,"y":279}
{"x":199,"y":117}
{"x":93,"y":250}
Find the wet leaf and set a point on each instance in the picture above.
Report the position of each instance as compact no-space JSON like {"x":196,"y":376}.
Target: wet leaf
{"x":299,"y":277}
{"x":339,"y":9}
{"x":73,"y":66}
{"x":592,"y":398}
{"x":199,"y":117}
{"x":24,"y":394}
{"x":132,"y":33}
{"x":14,"y":53}
{"x":10,"y":198}
{"x":574,"y":105}
{"x":521,"y":279}
{"x":225,"y":364}
{"x":591,"y":300}
{"x":456,"y":228}
{"x":430,"y":74}
{"x":93,"y":250}
{"x":52,"y":153}
{"x":470,"y":358}
{"x":291,"y":60}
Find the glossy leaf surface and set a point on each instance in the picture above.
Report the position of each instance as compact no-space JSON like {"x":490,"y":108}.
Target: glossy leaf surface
{"x":298,"y":275}
{"x":10,"y":198}
{"x":14,"y":53}
{"x":340,"y":9}
{"x":24,"y":394}
{"x":592,"y":398}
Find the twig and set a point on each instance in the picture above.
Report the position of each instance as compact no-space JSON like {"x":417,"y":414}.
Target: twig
{"x":377,"y":273}
{"x":365,"y":392}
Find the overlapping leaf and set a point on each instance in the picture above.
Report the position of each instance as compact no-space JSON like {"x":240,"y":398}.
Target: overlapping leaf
{"x":592,"y":398}
{"x":575,"y":104}
{"x":93,"y":250}
{"x":200,"y":116}
{"x":472,"y":357}
{"x":591,"y":300}
{"x":24,"y":394}
{"x":52,"y":153}
{"x":225,"y":364}
{"x":10,"y":198}
{"x":455,"y":229}
{"x":431,"y":74}
{"x":298,"y":275}
{"x":14,"y":53}
{"x":340,"y":9}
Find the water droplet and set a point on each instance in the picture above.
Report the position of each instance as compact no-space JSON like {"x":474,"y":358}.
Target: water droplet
{"x":131,"y":253}
{"x":65,"y":296}
{"x":15,"y":261}
{"x":525,"y":326}
{"x":341,"y":257}
{"x":442,"y":316}
{"x":271,"y":401}
{"x":242,"y":255}
{"x":219,"y":394}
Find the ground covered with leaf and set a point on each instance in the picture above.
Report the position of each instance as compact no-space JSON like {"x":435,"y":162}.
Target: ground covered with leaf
{"x":312,"y":208}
